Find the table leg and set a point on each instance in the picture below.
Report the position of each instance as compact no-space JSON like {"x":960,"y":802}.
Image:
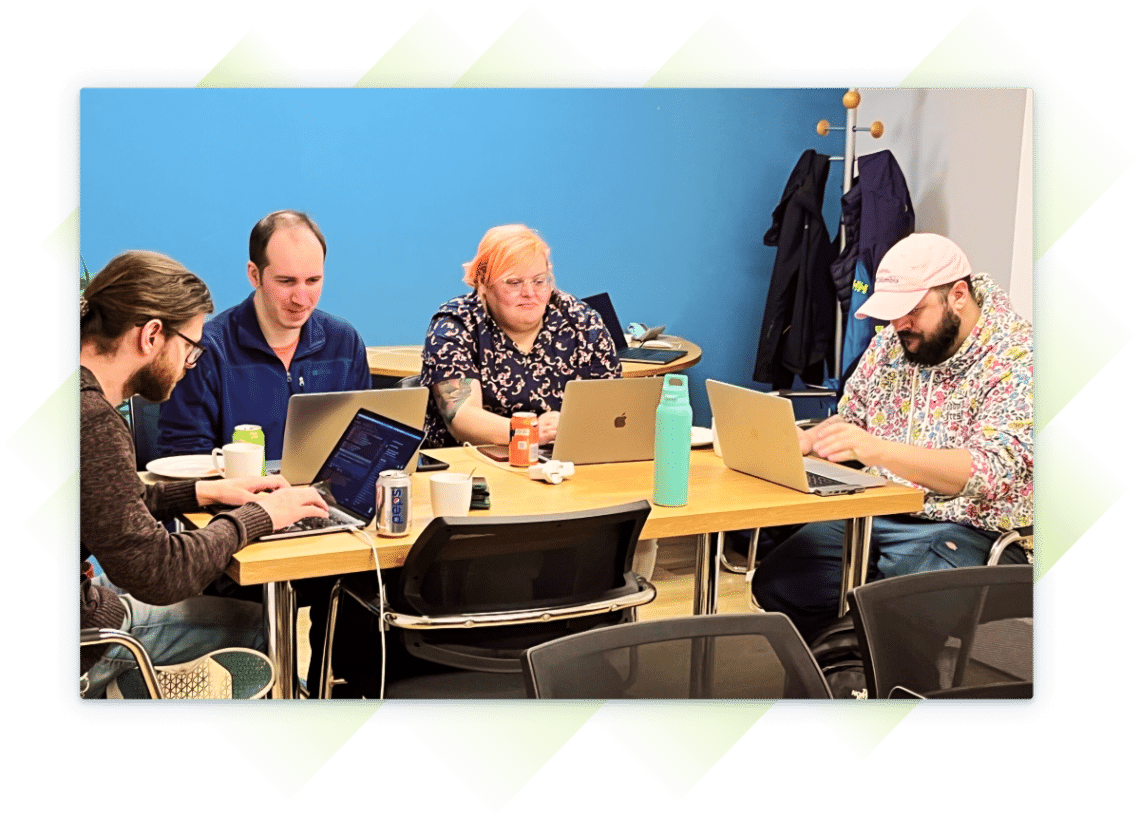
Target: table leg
{"x":707,"y":575}
{"x":856,"y":555}
{"x":280,"y":614}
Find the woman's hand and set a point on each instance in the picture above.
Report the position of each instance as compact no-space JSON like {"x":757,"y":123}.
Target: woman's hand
{"x":547,"y":426}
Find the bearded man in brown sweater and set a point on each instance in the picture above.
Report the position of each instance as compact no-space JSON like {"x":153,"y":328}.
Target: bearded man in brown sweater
{"x":140,"y":325}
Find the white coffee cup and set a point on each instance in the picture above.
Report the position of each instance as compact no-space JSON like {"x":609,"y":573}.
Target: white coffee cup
{"x":716,"y":440}
{"x":242,"y":460}
{"x":450,"y":494}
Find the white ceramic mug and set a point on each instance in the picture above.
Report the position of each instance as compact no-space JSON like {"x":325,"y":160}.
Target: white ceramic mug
{"x":242,"y":460}
{"x":450,"y":494}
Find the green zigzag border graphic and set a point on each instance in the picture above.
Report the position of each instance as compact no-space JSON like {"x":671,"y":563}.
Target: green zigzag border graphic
{"x":1060,"y":301}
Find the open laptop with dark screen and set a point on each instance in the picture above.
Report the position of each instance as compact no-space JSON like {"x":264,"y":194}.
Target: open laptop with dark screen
{"x":347,"y":481}
{"x":601,"y":302}
{"x":315,"y":420}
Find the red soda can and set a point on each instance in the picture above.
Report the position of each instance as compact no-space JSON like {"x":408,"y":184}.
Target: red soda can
{"x":524,"y":439}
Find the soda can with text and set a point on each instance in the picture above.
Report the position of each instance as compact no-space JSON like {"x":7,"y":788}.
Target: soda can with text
{"x":524,"y":439}
{"x":393,"y":503}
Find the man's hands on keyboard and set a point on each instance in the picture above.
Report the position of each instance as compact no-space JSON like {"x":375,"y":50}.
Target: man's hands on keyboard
{"x":291,"y":504}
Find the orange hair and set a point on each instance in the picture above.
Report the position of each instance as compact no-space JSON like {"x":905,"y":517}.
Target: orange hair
{"x":502,"y":249}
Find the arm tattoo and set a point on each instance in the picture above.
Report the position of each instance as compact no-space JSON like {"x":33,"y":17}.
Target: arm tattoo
{"x":450,"y":395}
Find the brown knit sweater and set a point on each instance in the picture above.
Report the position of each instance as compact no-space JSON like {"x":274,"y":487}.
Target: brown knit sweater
{"x":120,"y":524}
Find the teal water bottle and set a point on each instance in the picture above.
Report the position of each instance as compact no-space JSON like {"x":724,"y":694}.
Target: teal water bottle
{"x":672,"y":444}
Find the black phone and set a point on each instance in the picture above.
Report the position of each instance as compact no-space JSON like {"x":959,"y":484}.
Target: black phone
{"x":429,"y":464}
{"x":496,"y":452}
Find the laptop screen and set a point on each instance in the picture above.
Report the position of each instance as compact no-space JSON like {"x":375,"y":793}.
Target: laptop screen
{"x":370,"y":444}
{"x":605,"y":308}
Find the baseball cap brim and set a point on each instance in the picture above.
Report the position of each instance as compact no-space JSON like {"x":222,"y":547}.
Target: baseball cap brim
{"x":889,"y":305}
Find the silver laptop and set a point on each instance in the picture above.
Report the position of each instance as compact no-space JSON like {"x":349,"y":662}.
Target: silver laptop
{"x":315,"y":421}
{"x":368,"y":444}
{"x":757,"y":435}
{"x":608,"y":421}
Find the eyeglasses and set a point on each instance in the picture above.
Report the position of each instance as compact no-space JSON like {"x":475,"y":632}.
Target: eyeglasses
{"x":538,"y":283}
{"x":196,"y":349}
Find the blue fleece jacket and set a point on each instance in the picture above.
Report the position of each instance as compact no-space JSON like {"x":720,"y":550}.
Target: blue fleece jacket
{"x":240,"y":380}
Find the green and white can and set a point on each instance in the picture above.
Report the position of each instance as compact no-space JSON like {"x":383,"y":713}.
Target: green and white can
{"x":251,"y":434}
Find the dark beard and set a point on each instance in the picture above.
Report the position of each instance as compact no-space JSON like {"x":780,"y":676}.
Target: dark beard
{"x":939,"y":346}
{"x":153,"y":382}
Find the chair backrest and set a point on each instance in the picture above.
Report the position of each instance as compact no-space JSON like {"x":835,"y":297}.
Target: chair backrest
{"x":144,"y":429}
{"x":721,"y":656}
{"x":503,"y":565}
{"x":946,"y":633}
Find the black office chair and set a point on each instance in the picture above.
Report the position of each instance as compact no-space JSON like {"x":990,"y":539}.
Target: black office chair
{"x":228,"y":673}
{"x":720,"y":656}
{"x":955,"y":633}
{"x":475,"y":592}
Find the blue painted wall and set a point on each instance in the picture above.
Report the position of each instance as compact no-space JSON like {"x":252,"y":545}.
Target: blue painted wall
{"x":661,"y":197}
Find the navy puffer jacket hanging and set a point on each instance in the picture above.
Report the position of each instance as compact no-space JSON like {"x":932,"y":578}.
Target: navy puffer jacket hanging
{"x":877,"y":213}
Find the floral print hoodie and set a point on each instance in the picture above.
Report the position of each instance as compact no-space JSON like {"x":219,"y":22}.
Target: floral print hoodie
{"x":980,"y":399}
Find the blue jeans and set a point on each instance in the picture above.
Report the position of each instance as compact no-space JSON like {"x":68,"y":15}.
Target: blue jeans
{"x":801,"y":576}
{"x":178,"y":633}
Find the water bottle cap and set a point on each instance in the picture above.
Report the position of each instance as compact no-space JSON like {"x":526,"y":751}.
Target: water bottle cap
{"x":675,"y":388}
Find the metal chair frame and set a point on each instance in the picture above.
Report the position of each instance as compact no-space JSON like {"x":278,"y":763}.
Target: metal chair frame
{"x":104,"y":636}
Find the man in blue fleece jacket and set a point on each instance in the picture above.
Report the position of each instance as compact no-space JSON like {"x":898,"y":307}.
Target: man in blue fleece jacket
{"x":257,"y":354}
{"x":272,"y":345}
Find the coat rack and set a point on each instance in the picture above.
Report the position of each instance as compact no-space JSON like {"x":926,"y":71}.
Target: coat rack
{"x":851,"y":102}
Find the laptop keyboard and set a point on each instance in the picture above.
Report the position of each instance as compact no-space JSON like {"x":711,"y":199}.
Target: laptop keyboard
{"x":816,"y":481}
{"x":310,"y":524}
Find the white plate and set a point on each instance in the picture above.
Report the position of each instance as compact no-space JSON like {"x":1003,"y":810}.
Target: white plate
{"x":701,"y":436}
{"x":185,"y":466}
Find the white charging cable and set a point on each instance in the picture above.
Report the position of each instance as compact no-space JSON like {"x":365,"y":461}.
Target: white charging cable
{"x":373,"y":551}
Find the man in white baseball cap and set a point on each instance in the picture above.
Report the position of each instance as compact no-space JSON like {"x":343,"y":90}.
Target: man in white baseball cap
{"x":930,"y":318}
{"x":941,"y":400}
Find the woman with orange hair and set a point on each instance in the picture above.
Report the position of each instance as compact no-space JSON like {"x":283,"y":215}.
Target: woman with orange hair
{"x":511,"y":345}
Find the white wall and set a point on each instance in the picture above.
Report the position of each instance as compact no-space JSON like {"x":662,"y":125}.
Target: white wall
{"x":967,"y":155}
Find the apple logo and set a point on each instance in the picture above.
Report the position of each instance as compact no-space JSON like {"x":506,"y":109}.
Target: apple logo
{"x":619,"y":422}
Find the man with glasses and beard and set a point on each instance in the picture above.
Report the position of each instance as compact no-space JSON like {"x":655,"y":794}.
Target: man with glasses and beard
{"x":942,"y":400}
{"x":140,"y":330}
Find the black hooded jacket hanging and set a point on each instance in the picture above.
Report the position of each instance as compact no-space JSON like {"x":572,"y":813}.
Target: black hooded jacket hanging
{"x":797,"y":335}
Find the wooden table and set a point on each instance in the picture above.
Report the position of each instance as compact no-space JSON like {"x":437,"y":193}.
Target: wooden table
{"x":400,"y":362}
{"x":719,"y":500}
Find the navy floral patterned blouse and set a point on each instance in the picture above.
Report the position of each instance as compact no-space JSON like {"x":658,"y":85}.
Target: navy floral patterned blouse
{"x":463,"y":341}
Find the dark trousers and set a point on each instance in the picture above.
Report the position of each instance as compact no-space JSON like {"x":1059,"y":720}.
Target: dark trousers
{"x":800,"y":577}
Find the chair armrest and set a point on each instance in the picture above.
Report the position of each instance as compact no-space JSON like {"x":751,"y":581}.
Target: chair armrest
{"x":1022,"y":537}
{"x":646,"y":592}
{"x":901,"y":692}
{"x":103,"y":636}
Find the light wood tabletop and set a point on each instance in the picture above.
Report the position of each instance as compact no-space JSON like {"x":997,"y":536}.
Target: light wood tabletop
{"x":402,"y":361}
{"x":720,"y":499}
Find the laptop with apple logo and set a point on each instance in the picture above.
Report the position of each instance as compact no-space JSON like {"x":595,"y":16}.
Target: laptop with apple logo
{"x":608,"y":421}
